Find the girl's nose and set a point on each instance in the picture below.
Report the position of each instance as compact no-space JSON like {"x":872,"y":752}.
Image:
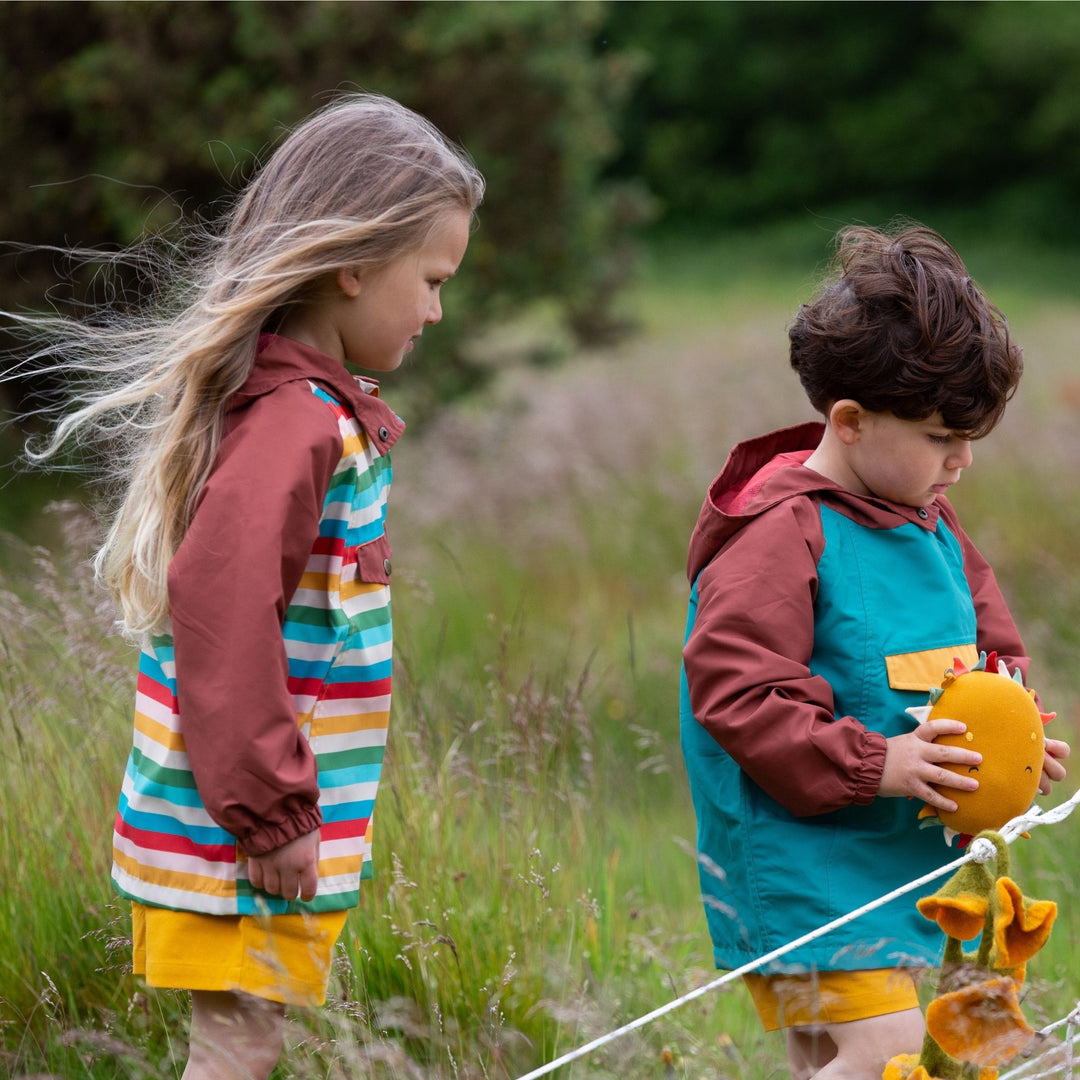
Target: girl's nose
{"x":434,"y":311}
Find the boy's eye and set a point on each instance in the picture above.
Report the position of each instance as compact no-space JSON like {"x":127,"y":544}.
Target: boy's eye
{"x":941,"y":440}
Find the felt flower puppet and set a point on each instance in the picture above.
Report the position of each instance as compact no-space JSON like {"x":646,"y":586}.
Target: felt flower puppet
{"x":974,"y":1023}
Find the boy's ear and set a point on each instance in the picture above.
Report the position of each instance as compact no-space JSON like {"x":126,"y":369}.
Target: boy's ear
{"x":846,"y":420}
{"x":348,"y":281}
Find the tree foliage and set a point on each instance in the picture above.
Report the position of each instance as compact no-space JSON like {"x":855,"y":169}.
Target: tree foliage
{"x":120,"y":117}
{"x":758,"y":109}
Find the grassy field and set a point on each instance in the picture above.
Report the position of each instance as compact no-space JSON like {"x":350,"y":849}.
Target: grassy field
{"x":535,"y":878}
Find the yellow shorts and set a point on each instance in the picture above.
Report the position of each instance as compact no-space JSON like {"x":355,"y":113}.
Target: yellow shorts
{"x":831,"y":997}
{"x":282,"y":958}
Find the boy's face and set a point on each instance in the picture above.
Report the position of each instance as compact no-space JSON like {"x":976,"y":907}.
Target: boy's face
{"x":910,"y":462}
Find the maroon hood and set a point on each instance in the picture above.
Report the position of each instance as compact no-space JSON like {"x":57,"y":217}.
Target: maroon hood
{"x":764,"y":471}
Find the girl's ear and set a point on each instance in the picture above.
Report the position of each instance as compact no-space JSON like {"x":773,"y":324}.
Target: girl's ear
{"x":846,"y":418}
{"x":348,"y":281}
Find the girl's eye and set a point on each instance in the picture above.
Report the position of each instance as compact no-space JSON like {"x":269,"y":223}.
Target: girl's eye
{"x":941,"y":440}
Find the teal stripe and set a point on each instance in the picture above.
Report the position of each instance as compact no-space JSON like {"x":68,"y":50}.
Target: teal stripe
{"x":346,"y":759}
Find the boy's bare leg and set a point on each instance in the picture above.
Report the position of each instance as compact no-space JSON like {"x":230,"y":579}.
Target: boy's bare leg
{"x":864,"y":1046}
{"x":233,"y":1036}
{"x":808,"y":1051}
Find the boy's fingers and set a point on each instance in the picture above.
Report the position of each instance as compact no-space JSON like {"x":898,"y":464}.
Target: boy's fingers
{"x":937,"y":800}
{"x":1057,"y":749}
{"x":948,"y":778}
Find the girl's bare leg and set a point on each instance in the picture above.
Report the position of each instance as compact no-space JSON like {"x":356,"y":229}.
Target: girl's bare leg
{"x":233,"y":1036}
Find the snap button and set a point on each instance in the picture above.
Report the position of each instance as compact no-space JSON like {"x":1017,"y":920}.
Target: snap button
{"x":922,"y":512}
{"x":384,"y":434}
{"x":386,"y":565}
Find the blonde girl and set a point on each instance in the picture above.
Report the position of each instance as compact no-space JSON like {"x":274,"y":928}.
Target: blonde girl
{"x":249,"y":557}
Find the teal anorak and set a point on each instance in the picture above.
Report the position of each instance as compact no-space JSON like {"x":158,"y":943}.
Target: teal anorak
{"x":817,"y":617}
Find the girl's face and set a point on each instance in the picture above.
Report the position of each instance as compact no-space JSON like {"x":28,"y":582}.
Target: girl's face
{"x":371,"y":320}
{"x":382,"y":314}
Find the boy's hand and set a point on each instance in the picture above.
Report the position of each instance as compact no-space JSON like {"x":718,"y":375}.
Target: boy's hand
{"x":914,"y":761}
{"x":290,"y":871}
{"x":1053,"y":771}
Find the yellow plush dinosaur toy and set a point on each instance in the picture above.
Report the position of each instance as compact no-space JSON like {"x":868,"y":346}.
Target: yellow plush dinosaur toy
{"x":1004,"y":724}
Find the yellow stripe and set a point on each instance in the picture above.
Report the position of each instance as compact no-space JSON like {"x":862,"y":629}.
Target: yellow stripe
{"x":350,"y":589}
{"x":174,"y":879}
{"x":171,"y":740}
{"x":343,"y":864}
{"x":925,"y":670}
{"x":319,"y":581}
{"x":347,"y":724}
{"x":353,"y":443}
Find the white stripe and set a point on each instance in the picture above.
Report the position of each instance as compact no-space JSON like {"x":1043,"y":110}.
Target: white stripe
{"x":159,"y":754}
{"x":149,"y":804}
{"x":155,"y":710}
{"x":337,"y":707}
{"x":178,"y":899}
{"x":172,"y":860}
{"x":348,"y":793}
{"x":351,"y":740}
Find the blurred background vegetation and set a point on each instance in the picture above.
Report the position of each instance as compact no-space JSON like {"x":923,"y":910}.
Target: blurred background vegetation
{"x":664,"y":179}
{"x":600,"y":126}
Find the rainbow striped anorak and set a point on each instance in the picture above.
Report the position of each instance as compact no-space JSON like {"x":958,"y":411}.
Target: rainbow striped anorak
{"x":274,"y":761}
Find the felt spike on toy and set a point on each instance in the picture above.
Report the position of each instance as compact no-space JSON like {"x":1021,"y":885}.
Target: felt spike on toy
{"x":921,"y":713}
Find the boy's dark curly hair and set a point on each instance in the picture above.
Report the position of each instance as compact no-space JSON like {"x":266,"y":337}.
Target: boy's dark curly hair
{"x":904,"y":330}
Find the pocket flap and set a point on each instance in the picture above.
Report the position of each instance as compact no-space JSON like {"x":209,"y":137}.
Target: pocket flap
{"x":924,"y":670}
{"x":373,"y":561}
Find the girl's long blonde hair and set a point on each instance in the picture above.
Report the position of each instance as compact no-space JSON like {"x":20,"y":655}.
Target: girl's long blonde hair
{"x":359,"y":183}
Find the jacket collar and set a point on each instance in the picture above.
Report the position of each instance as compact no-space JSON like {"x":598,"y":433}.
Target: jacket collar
{"x":768,"y":470}
{"x":280,"y":360}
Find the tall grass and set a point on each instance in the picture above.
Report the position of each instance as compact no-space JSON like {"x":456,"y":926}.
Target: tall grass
{"x":535,"y":883}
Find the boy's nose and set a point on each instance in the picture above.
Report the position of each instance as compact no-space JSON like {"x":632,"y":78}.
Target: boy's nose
{"x":963,"y":456}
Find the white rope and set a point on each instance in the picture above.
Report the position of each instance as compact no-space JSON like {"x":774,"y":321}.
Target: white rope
{"x":980,"y":850}
{"x":1026,"y":1071}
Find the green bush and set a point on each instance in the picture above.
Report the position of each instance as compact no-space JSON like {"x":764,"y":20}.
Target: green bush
{"x":120,"y":117}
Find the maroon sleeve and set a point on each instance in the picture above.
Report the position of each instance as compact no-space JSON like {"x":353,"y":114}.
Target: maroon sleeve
{"x":230,"y":584}
{"x":995,"y":628}
{"x":747,"y":668}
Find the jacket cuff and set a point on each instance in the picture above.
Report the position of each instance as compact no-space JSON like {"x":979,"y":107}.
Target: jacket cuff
{"x":871,"y":766}
{"x":271,"y":835}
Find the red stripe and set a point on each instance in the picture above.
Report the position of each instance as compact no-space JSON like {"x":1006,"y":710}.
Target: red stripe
{"x":146,"y":684}
{"x":337,"y":691}
{"x":328,"y":545}
{"x":343,"y":830}
{"x":304,"y":687}
{"x":178,"y":845}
